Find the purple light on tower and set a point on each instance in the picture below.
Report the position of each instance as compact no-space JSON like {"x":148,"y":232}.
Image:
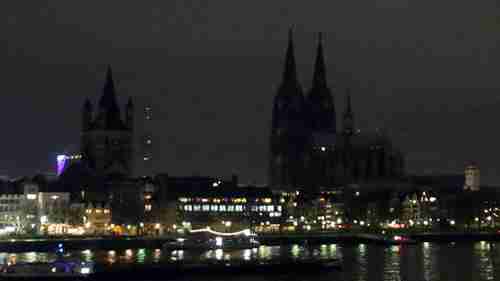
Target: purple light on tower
{"x":61,"y":163}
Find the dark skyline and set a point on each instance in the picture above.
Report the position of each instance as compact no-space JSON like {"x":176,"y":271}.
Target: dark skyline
{"x":424,"y":71}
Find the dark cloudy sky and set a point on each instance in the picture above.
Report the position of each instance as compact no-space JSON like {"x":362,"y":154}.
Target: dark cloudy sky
{"x":426,"y":70}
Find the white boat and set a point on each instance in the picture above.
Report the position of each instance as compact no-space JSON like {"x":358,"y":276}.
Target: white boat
{"x":207,"y":239}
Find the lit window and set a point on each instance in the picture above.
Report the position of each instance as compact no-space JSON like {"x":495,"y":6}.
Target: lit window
{"x":213,"y":208}
{"x":148,"y":141}
{"x":147,"y":197}
{"x":106,"y":211}
{"x":279,"y":208}
{"x":230,"y":208}
{"x":147,"y":207}
{"x":31,"y":196}
{"x":88,"y":211}
{"x":196,"y":208}
{"x":262,"y":208}
{"x":222,"y":208}
{"x":146,"y":158}
{"x":98,"y":211}
{"x":270,"y":208}
{"x":206,"y":208}
{"x":188,"y":208}
{"x":254,"y":209}
{"x":239,"y":208}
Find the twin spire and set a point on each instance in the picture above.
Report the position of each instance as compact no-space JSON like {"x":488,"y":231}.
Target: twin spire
{"x":319,"y":76}
{"x":290,"y":71}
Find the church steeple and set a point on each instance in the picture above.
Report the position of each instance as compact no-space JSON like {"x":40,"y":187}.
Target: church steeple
{"x":109,"y":116}
{"x":319,"y":76}
{"x":348,"y":120}
{"x":321,"y":106}
{"x":108,"y":98}
{"x":86,"y":115}
{"x":129,"y":114}
{"x":290,"y":71}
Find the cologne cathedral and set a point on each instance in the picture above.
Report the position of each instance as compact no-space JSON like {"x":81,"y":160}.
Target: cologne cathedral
{"x":306,"y":148}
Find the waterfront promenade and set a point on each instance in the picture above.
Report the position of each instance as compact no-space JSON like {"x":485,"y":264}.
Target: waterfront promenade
{"x":49,"y":244}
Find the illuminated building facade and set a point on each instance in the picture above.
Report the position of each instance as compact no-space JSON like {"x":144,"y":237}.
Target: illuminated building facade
{"x":306,"y":149}
{"x":472,"y":177}
{"x":97,"y":218}
{"x":230,"y":209}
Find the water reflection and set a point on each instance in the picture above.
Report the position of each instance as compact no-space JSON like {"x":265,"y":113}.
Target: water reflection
{"x":392,"y":263}
{"x":141,"y":256}
{"x":425,"y":261}
{"x":484,"y":260}
{"x":88,"y":255}
{"x":111,"y":257}
{"x":157,"y":255}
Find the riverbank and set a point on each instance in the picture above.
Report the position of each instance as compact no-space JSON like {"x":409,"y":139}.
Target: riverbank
{"x":116,"y":243}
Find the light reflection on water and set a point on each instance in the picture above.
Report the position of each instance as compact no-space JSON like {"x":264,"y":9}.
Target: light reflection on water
{"x":425,"y":261}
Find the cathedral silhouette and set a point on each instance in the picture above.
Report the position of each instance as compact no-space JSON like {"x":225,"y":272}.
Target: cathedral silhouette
{"x":307,"y":151}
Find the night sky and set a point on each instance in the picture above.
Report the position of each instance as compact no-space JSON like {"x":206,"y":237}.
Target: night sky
{"x":425,"y":70}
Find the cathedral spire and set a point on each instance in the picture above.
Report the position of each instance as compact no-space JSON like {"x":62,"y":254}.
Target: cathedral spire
{"x":108,"y":98}
{"x":348,"y":101}
{"x":290,"y":72}
{"x":319,"y":77}
{"x":348,"y":120}
{"x":86,"y":115}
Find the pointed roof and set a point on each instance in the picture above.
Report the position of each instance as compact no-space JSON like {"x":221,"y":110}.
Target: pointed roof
{"x":130,"y":102}
{"x":319,"y":77}
{"x":290,"y":71}
{"x":108,"y":98}
{"x":87,"y":104}
{"x":348,"y":101}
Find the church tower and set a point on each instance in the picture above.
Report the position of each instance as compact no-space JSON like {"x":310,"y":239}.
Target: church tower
{"x":106,"y":140}
{"x":321,"y":107}
{"x":348,"y":118}
{"x":321,"y":123}
{"x":288,"y":129}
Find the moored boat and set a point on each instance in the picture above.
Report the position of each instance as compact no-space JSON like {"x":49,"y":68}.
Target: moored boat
{"x":207,"y":239}
{"x":62,"y":267}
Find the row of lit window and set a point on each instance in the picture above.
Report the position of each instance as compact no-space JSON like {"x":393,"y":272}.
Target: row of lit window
{"x":213,"y":200}
{"x":97,"y":211}
{"x":214,"y":208}
{"x":10,"y":208}
{"x":9,"y":201}
{"x":229,"y":208}
{"x":224,"y":200}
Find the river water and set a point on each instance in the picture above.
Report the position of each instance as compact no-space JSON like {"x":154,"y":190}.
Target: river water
{"x":425,"y":261}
